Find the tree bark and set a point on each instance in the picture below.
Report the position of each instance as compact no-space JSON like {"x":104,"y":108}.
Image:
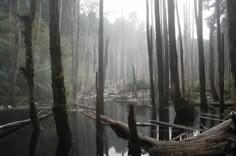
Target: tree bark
{"x":58,"y":86}
{"x":100,"y":86}
{"x":150,"y":54}
{"x":201,"y":63}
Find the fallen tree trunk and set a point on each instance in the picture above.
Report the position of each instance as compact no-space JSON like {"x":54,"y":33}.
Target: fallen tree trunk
{"x":215,"y":141}
{"x":10,"y":128}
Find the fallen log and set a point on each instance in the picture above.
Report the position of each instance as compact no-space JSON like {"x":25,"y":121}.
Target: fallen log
{"x":10,"y":128}
{"x":215,"y":141}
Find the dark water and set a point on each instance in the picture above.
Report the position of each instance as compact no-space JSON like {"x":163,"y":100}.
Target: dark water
{"x":83,"y":130}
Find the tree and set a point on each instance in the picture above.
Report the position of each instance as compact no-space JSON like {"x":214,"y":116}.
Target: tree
{"x":100,"y":86}
{"x":163,"y":111}
{"x":184,"y":111}
{"x":166,"y":62}
{"x":28,"y":72}
{"x":58,"y":86}
{"x":231,"y":5}
{"x":181,"y":50}
{"x":75,"y":47}
{"x":152,"y":92}
{"x":201,"y":63}
{"x":211,"y":63}
{"x":220,"y":58}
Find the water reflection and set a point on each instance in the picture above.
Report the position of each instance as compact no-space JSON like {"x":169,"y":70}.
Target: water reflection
{"x":83,"y":129}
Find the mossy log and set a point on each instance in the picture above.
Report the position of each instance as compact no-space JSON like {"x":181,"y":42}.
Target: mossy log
{"x":218,"y":140}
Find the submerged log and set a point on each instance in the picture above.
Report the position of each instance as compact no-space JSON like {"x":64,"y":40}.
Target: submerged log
{"x":215,"y":141}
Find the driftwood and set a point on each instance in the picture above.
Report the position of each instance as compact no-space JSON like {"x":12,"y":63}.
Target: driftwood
{"x":215,"y":141}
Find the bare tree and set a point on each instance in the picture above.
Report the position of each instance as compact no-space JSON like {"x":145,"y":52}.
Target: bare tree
{"x":58,"y":86}
{"x":150,"y":54}
{"x":28,"y":72}
{"x":212,"y":63}
{"x":201,"y":63}
{"x":166,"y":62}
{"x":231,"y":5}
{"x":100,"y":86}
{"x":75,"y":47}
{"x":220,"y":57}
{"x":181,"y":50}
{"x":163,"y":110}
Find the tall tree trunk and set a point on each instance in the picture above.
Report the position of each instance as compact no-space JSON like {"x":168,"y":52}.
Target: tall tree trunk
{"x":75,"y":48}
{"x":184,"y":111}
{"x":15,"y":60}
{"x":212,"y":65}
{"x":58,"y":86}
{"x":28,"y":72}
{"x":100,"y":86}
{"x":152,"y":92}
{"x":201,"y":63}
{"x":181,"y":50}
{"x":220,"y":58}
{"x":231,"y":5}
{"x":167,"y":70}
{"x":163,"y":110}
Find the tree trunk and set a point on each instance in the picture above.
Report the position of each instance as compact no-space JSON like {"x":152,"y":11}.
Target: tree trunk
{"x":152,"y":92}
{"x":163,"y":110}
{"x":231,"y":5}
{"x":166,"y":64}
{"x":28,"y":72}
{"x":212,"y":65}
{"x":201,"y":63}
{"x":184,"y":112}
{"x":133,"y":144}
{"x":58,"y":86}
{"x":15,"y":61}
{"x":100,"y":86}
{"x":220,"y":58}
{"x":181,"y":50}
{"x":75,"y":47}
